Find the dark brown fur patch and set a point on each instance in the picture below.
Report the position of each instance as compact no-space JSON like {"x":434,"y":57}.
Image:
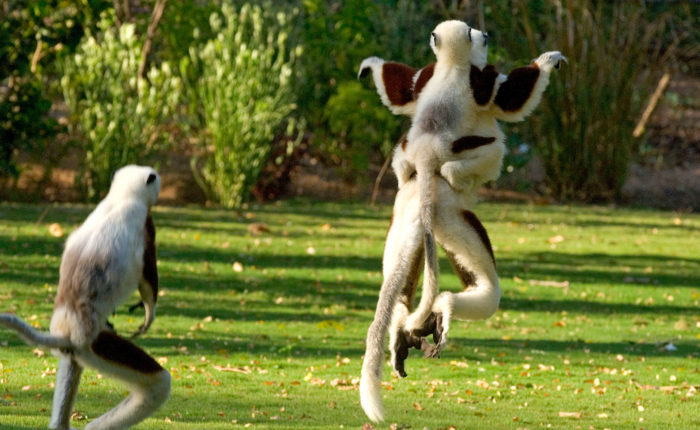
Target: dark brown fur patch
{"x":424,"y":76}
{"x":514,"y":92}
{"x":398,"y":82}
{"x":120,"y":351}
{"x":414,"y":271}
{"x":404,"y":141}
{"x":482,"y":83}
{"x":470,"y":142}
{"x":467,"y":277}
{"x":150,"y":270}
{"x":474,"y":222}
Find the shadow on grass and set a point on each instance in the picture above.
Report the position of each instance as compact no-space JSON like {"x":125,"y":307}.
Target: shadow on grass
{"x":466,"y":346}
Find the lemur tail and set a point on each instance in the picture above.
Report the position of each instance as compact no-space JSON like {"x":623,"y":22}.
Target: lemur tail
{"x":370,"y":382}
{"x":426,"y":189}
{"x":31,"y":336}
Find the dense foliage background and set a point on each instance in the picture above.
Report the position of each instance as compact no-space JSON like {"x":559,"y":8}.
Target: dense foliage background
{"x":244,"y":88}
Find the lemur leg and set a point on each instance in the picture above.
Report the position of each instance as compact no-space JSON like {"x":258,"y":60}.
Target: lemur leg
{"x":148,"y":381}
{"x":67,"y":381}
{"x":467,"y":244}
{"x":400,"y":339}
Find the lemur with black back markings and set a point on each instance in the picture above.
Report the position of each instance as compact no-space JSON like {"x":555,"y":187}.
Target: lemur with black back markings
{"x":454,"y":141}
{"x":110,"y":255}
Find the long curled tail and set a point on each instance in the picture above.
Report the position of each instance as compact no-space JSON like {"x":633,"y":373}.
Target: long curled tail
{"x":370,"y":381}
{"x":31,"y":336}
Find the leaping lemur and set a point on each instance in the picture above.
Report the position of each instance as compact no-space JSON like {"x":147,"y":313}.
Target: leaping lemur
{"x":104,"y":261}
{"x":454,"y":134}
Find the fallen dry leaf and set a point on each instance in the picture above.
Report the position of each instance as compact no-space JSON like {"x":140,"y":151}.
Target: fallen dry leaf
{"x":570,"y":414}
{"x":556,"y":239}
{"x":555,"y":284}
{"x":245,"y":370}
{"x":258,"y":228}
{"x":55,"y":230}
{"x":237,"y":267}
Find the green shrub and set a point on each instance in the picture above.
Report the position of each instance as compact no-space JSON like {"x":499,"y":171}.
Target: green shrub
{"x":120,"y":118}
{"x":24,"y":121}
{"x":245,"y":92}
{"x":336,"y":37}
{"x":583,"y":128}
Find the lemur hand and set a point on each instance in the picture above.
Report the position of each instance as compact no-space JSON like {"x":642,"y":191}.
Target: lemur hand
{"x":404,"y":171}
{"x":455,"y":176}
{"x":550,"y":59}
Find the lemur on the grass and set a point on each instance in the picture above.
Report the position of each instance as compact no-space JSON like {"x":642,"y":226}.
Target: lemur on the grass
{"x":454,"y":142}
{"x":110,"y":255}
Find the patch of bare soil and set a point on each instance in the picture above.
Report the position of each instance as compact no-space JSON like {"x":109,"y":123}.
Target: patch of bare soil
{"x":668,"y":175}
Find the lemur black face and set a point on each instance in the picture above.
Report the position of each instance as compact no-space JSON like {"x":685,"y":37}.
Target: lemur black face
{"x":434,"y":39}
{"x":151,"y":179}
{"x":469,"y":33}
{"x":486,"y":39}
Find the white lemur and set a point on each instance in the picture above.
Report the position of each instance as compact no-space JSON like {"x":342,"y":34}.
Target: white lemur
{"x":104,"y":261}
{"x":454,"y":133}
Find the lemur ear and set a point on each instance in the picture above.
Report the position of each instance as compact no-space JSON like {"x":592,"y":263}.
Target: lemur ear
{"x":151,"y":178}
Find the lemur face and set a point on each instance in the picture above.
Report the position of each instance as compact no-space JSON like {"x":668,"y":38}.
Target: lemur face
{"x":456,"y":42}
{"x":136,"y":181}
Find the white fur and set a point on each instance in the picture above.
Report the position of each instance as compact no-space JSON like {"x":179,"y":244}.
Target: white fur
{"x":447,"y":97}
{"x":439,"y":201}
{"x":102,"y":265}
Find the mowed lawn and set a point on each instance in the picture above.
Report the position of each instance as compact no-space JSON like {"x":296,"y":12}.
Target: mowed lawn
{"x":599,"y":325}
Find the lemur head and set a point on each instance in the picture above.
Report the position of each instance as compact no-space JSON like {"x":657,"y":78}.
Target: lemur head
{"x":455,"y":43}
{"x":141,"y":182}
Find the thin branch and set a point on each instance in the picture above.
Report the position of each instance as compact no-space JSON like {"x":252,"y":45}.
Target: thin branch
{"x":118,"y":12}
{"x":382,"y":171}
{"x":660,"y":88}
{"x":148,"y":44}
{"x":127,"y":11}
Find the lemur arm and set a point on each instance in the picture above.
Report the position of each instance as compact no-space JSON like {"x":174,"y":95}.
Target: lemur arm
{"x":398,"y":85}
{"x":519,"y":93}
{"x":148,"y":287}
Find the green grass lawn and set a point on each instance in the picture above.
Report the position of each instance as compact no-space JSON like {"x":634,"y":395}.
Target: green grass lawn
{"x":599,"y":325}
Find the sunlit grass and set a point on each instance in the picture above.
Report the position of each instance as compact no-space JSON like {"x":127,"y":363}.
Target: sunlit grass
{"x":599,"y":324}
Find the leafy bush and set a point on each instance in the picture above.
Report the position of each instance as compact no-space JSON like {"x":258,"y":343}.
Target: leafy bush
{"x":24,"y":122}
{"x":336,"y":37}
{"x":120,"y":118}
{"x":584,"y":125}
{"x":245,"y":91}
{"x":30,"y":35}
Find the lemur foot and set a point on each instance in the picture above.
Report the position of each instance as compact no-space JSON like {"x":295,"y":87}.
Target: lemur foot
{"x":549,"y":60}
{"x":429,"y":351}
{"x":404,"y":342}
{"x":432,"y":326}
{"x":439,"y":332}
{"x":428,"y":327}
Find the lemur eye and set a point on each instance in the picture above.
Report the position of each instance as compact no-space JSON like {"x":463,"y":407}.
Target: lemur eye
{"x":151,"y":179}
